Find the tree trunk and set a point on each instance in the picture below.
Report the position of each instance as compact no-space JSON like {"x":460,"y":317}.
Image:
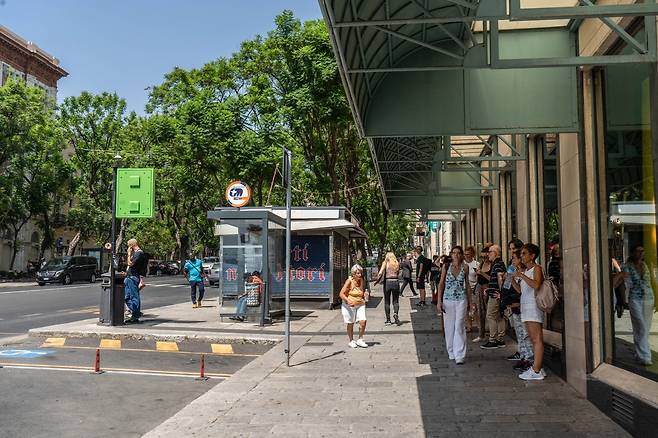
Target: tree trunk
{"x":122,"y":232}
{"x":74,"y":243}
{"x":48,"y":237}
{"x":14,"y":249}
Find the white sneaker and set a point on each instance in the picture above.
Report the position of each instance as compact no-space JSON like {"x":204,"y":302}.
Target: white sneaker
{"x":530,"y":374}
{"x":353,"y":344}
{"x":361,"y":343}
{"x":459,"y":361}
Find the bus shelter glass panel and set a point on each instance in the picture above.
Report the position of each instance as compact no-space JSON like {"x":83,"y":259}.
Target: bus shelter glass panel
{"x":241,"y":283}
{"x":277,"y":266}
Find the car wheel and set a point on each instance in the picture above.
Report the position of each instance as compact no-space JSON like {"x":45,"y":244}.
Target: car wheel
{"x":67,"y":279}
{"x":41,"y":283}
{"x":174,"y":272}
{"x":92,"y":279}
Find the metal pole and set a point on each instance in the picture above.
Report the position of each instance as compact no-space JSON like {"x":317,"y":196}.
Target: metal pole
{"x":287,"y":157}
{"x":113,"y":261}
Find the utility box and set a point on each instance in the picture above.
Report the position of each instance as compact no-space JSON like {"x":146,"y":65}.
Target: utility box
{"x":112,"y":301}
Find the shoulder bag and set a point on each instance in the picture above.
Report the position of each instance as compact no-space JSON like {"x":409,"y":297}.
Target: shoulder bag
{"x":546,"y":295}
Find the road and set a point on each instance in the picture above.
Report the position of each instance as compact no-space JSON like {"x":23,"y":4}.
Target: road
{"x":47,"y":383}
{"x":25,"y":307}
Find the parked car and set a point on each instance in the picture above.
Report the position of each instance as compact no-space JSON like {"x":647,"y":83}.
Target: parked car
{"x":207,"y":262}
{"x":160,"y":267}
{"x":68,"y":269}
{"x":214,"y":273}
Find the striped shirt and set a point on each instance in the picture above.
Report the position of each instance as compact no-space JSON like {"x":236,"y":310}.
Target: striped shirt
{"x":497,"y":267}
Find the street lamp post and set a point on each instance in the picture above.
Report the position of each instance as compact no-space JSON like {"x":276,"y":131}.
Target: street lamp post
{"x":287,"y":179}
{"x":113,"y":256}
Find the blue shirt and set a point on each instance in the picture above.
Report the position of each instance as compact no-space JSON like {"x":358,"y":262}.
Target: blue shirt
{"x":194,"y":269}
{"x":640,"y":283}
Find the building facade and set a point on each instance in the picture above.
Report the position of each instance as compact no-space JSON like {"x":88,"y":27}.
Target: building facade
{"x":23,"y":60}
{"x":540,"y":120}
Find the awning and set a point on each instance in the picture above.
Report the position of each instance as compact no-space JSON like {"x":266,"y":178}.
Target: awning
{"x":333,"y":224}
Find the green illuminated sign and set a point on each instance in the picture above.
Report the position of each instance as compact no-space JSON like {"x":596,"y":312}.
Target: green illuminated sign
{"x":135,"y":195}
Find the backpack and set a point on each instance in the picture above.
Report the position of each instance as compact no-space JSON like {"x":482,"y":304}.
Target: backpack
{"x":546,"y":296}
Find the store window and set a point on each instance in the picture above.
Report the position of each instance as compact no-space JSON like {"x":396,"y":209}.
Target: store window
{"x":630,"y":207}
{"x":553,"y":257}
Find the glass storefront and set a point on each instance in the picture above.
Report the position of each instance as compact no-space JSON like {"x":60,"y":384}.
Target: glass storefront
{"x":630,"y":210}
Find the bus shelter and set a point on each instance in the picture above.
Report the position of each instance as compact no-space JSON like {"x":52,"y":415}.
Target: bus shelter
{"x":252,"y":240}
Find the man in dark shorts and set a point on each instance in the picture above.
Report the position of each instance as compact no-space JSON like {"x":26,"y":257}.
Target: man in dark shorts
{"x":423,"y":265}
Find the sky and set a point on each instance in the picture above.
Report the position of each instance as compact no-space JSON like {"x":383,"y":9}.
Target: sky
{"x":125,"y":46}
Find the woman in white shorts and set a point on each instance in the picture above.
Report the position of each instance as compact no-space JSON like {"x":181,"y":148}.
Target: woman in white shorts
{"x":533,"y":318}
{"x":354,"y":306}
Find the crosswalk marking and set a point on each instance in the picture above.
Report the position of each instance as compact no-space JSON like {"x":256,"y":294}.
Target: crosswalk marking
{"x":54,"y":342}
{"x":166,"y":346}
{"x":114,"y":344}
{"x":222,"y":348}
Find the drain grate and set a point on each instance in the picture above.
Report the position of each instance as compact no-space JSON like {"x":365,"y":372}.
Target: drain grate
{"x":318,"y":344}
{"x":623,"y":408}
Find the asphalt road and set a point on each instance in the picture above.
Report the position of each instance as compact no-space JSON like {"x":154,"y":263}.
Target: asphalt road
{"x":49,"y":389}
{"x":30,"y":306}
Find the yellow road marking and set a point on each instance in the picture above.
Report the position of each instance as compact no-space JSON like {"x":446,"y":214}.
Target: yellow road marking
{"x":111,"y":343}
{"x":135,"y":370}
{"x":166,"y":346}
{"x":54,"y":342}
{"x":79,"y":347}
{"x":222,"y":348}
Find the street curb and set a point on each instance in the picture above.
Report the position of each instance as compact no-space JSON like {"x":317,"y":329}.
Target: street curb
{"x":176,"y":336}
{"x":220,"y":399}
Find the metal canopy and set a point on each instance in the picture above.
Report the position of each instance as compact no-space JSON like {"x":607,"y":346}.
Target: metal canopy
{"x":419,"y":71}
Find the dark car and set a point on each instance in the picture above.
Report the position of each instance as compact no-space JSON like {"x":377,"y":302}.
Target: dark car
{"x":167,"y":267}
{"x":66,"y":270}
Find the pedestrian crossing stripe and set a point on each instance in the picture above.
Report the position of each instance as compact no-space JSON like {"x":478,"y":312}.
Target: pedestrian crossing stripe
{"x":114,"y":344}
{"x":54,"y":342}
{"x":222,"y":348}
{"x":166,"y":346}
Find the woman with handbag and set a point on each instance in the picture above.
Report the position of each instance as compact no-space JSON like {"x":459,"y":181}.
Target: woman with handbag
{"x":354,"y":306}
{"x":388,"y":277}
{"x":533,"y":318}
{"x":641,"y":302}
{"x":454,"y":300}
{"x":251,"y":297}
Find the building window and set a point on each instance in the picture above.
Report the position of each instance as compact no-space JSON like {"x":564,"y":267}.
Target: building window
{"x":630,"y":228}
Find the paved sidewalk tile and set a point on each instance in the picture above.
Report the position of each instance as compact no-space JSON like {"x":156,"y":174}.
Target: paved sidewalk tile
{"x":401,"y":385}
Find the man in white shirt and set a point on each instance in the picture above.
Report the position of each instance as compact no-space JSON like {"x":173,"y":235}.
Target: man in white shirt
{"x":473,"y":265}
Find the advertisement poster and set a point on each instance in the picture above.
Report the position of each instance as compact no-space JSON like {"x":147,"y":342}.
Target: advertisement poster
{"x":309,"y":268}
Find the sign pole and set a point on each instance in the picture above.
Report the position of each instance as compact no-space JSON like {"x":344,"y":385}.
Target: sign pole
{"x":287,"y":179}
{"x":113,"y":254}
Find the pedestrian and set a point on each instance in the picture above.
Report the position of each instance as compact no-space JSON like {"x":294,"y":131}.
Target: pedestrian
{"x":435,"y":277}
{"x":241,"y":306}
{"x":137,"y":266}
{"x":495,"y":322}
{"x":473,"y":265}
{"x":195,"y":276}
{"x":354,"y":306}
{"x":483,"y":280}
{"x":641,"y":302}
{"x":454,"y":302}
{"x":423,"y":265}
{"x":533,"y":318}
{"x":511,"y":301}
{"x":388,"y":276}
{"x":406,"y":267}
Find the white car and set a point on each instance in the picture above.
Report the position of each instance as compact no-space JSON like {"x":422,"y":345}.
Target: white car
{"x":213,"y":274}
{"x":207,"y":263}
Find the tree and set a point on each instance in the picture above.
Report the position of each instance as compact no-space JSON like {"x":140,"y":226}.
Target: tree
{"x":33,"y":170}
{"x":93,"y":126}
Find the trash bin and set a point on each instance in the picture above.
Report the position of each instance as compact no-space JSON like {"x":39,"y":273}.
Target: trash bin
{"x":107,"y":316}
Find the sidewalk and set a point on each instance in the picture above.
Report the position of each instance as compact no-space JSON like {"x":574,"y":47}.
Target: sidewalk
{"x":181,"y":322}
{"x":403,"y":384}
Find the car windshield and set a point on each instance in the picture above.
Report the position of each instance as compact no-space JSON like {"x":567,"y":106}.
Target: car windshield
{"x":210,"y":259}
{"x":58,"y":263}
{"x":215,"y":266}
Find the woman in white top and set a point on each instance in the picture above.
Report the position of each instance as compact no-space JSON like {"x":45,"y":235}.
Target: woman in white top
{"x":531,"y":279}
{"x":454,"y":300}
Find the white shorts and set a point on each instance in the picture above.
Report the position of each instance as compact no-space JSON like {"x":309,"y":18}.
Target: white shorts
{"x":353,"y":314}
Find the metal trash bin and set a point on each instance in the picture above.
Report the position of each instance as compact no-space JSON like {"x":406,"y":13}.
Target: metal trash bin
{"x":107,"y":317}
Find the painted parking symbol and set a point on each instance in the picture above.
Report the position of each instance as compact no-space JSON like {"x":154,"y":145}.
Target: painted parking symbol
{"x":24,"y":354}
